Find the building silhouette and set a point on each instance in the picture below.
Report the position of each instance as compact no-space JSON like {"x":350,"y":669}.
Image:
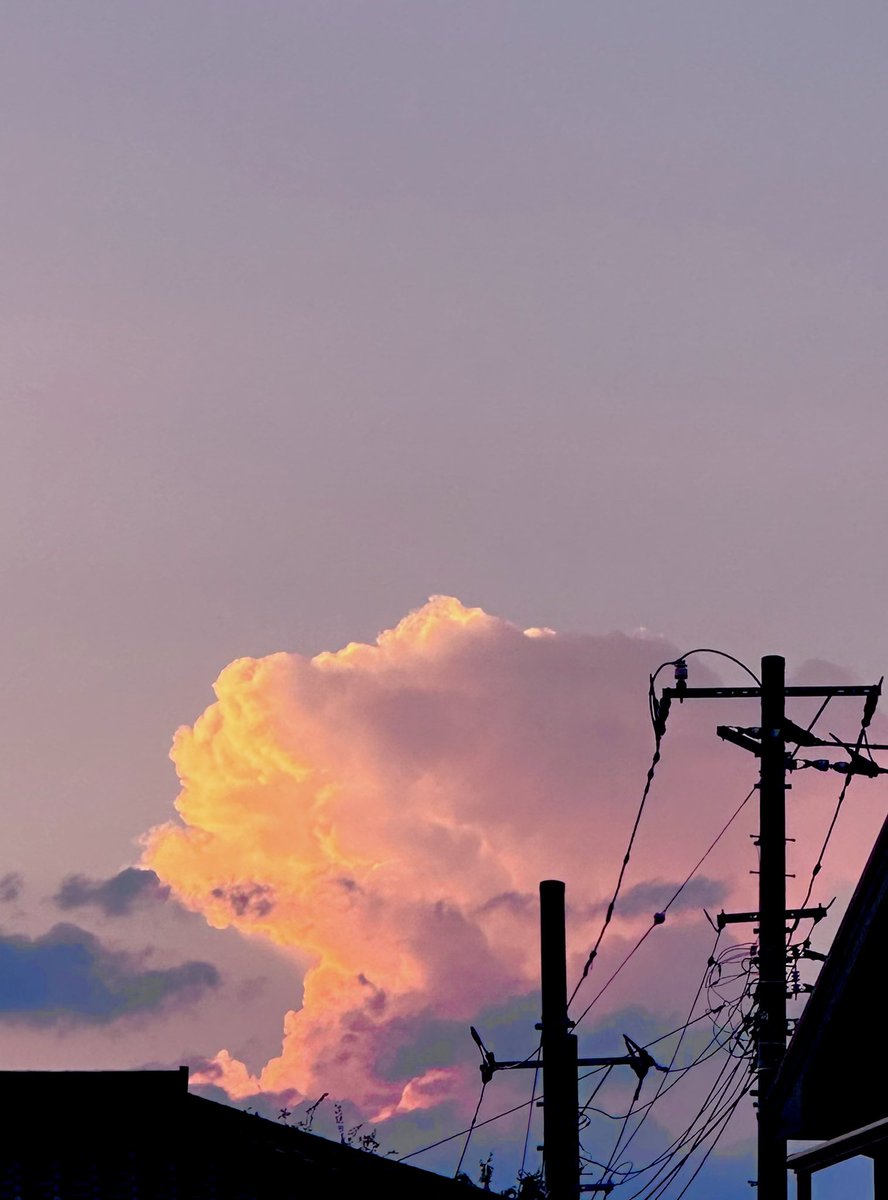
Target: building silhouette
{"x":831,"y":1085}
{"x":122,"y":1135}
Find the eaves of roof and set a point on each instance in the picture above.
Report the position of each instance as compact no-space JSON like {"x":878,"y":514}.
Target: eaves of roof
{"x":831,"y":1079}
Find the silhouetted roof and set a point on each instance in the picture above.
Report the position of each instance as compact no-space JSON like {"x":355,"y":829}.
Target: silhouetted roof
{"x":832,"y":1078}
{"x":129,"y":1133}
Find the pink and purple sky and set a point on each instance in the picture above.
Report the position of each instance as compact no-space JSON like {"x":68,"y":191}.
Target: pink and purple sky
{"x":313,"y":311}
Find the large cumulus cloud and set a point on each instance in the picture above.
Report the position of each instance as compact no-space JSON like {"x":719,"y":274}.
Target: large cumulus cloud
{"x":386,"y":812}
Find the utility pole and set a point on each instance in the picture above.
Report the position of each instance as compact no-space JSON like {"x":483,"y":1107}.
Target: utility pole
{"x":768,"y":743}
{"x":559,"y":1062}
{"x":561,"y":1135}
{"x":771,"y":992}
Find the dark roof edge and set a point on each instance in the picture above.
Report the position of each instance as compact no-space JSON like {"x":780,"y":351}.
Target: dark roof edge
{"x":869,"y":896}
{"x":313,"y":1146}
{"x":865,"y":1140}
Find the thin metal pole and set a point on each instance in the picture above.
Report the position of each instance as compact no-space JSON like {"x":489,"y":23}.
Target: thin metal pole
{"x":561,"y":1139}
{"x":771,"y":993}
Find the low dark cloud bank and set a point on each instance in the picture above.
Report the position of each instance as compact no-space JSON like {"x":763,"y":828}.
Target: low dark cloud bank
{"x":66,"y":976}
{"x":115,"y":897}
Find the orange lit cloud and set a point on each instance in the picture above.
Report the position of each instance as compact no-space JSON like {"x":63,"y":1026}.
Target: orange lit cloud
{"x":384,"y":814}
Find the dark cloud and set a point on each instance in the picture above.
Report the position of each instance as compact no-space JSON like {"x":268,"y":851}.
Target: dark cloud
{"x":418,"y":1043}
{"x":604,"y":1035}
{"x":652,"y":896}
{"x":518,"y":903}
{"x":11,"y":885}
{"x":116,"y":897}
{"x":66,"y":976}
{"x":255,"y":899}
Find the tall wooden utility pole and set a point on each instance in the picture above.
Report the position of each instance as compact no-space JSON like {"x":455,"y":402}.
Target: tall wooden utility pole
{"x":561,"y":1135}
{"x":771,"y":991}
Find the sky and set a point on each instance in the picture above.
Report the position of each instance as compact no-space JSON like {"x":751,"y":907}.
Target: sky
{"x":570,"y":315}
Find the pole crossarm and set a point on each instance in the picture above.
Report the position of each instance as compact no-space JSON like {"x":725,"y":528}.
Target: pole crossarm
{"x":637,"y":1062}
{"x":792,"y":914}
{"x":754,"y":693}
{"x":746,"y":739}
{"x":492,"y":1064}
{"x":749,"y":738}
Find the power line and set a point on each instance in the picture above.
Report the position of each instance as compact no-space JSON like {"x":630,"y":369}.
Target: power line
{"x":659,"y":712}
{"x":663,"y":1081}
{"x":610,"y":908}
{"x":719,"y":1104}
{"x":713,"y":1144}
{"x":650,"y":929}
{"x":717,"y":1101}
{"x":453,"y":1136}
{"x":471,"y":1128}
{"x":536,"y":1076}
{"x":846,"y":783}
{"x":658,"y":917}
{"x":613,"y":1168}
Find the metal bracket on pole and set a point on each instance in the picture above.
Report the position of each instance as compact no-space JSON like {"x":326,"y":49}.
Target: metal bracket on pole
{"x":792,"y":914}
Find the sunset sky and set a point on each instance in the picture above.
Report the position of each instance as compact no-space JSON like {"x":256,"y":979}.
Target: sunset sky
{"x":570,"y":317}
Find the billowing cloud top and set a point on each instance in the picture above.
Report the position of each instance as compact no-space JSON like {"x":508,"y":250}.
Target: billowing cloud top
{"x":386,"y":812}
